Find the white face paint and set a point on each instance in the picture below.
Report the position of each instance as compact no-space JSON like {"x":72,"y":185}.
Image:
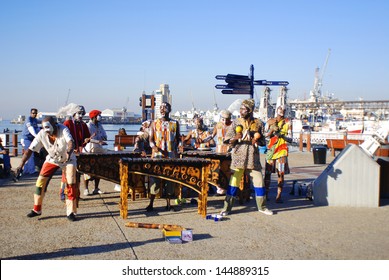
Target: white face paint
{"x":98,"y":118}
{"x":48,"y":128}
{"x":78,"y":116}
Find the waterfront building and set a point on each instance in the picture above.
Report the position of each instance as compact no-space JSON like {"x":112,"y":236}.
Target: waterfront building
{"x":162,"y":95}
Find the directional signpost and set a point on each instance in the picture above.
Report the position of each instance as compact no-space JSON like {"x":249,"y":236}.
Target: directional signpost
{"x":271,"y":83}
{"x":240,"y":84}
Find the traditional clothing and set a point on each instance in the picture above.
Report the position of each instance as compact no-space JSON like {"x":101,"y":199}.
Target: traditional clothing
{"x":277,"y":155}
{"x":56,"y":158}
{"x":165,"y":139}
{"x":245,"y":157}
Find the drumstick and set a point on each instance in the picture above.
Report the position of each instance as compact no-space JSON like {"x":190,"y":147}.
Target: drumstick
{"x":153,"y":226}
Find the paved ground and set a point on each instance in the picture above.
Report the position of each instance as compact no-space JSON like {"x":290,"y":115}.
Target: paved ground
{"x":298,"y":230}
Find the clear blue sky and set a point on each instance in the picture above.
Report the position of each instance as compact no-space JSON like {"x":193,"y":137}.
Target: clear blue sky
{"x":106,"y":52}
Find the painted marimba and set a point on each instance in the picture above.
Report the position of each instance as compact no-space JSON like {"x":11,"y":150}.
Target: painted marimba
{"x":190,"y":172}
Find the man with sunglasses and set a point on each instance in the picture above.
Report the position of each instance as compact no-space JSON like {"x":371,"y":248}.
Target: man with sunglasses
{"x":30,"y":130}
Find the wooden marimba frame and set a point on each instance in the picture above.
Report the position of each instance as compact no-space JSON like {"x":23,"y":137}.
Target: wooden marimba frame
{"x":190,"y":172}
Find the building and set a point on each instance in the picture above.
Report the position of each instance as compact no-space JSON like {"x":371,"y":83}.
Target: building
{"x":161,"y":95}
{"x":117,"y":115}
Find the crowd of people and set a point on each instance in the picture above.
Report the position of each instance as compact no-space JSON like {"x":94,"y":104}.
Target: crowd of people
{"x":159,"y":138}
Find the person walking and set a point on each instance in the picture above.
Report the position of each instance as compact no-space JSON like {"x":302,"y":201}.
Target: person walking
{"x":59,"y":144}
{"x":164,"y":140}
{"x":30,"y":130}
{"x":244,"y":136}
{"x":279,"y":132}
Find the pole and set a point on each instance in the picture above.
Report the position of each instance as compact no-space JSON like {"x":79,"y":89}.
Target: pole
{"x":252,"y":81}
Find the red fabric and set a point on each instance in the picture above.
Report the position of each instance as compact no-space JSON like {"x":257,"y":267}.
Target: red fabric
{"x":79,"y":131}
{"x":72,"y":191}
{"x":48,"y":169}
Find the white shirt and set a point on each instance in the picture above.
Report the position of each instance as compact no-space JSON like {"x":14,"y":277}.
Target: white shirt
{"x":97,"y":132}
{"x":57,"y":151}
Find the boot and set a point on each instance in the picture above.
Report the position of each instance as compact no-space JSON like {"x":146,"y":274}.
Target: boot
{"x":261,"y":205}
{"x":228,"y":203}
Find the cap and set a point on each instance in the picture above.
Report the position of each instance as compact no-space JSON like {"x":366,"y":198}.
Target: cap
{"x":94,"y":113}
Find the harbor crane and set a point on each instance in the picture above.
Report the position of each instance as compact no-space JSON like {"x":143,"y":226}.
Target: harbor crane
{"x":315,"y":93}
{"x":67,"y":98}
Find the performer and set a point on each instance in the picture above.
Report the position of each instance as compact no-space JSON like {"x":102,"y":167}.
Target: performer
{"x":279,"y":130}
{"x":142,"y":144}
{"x":59,"y":144}
{"x":164,"y":140}
{"x":95,"y":145}
{"x":81,"y":136}
{"x":199,"y":137}
{"x":220,"y":130}
{"x":244,"y":135}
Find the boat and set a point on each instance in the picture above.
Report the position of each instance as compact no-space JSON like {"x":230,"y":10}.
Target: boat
{"x":19,"y":120}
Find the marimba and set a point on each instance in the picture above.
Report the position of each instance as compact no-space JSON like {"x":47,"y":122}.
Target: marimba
{"x":103,"y":165}
{"x":121,"y":167}
{"x":190,"y":172}
{"x":220,"y":166}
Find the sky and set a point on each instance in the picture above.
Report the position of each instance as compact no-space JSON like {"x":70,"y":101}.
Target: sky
{"x":105,"y":54}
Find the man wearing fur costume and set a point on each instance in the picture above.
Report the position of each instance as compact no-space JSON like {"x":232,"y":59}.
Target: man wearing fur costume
{"x":244,"y":135}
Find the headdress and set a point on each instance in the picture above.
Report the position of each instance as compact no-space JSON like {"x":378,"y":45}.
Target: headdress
{"x":249,"y":104}
{"x":225,"y":114}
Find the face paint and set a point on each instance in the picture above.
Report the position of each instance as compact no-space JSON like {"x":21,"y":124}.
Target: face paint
{"x":98,"y":118}
{"x":78,"y":116}
{"x":48,"y":128}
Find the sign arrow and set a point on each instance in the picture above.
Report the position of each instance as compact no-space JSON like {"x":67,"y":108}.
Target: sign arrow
{"x":238,"y":77}
{"x":221,"y":77}
{"x":233,"y":77}
{"x":221,"y":86}
{"x":236,"y":91}
{"x":271,"y":83}
{"x":234,"y":86}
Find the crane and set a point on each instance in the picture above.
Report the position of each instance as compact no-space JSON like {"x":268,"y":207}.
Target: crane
{"x":316,"y":91}
{"x":67,"y":98}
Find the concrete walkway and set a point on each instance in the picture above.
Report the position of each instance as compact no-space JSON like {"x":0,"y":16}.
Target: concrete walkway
{"x":298,"y":230}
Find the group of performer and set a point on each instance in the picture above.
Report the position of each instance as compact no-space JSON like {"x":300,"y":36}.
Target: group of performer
{"x":240,"y":137}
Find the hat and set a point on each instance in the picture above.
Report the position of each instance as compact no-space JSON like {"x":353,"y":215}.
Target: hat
{"x":225,"y":114}
{"x":78,"y":108}
{"x":94,"y":113}
{"x":249,"y":104}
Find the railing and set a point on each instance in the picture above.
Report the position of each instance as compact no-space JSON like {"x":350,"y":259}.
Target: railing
{"x":308,"y":139}
{"x":10,"y":142}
